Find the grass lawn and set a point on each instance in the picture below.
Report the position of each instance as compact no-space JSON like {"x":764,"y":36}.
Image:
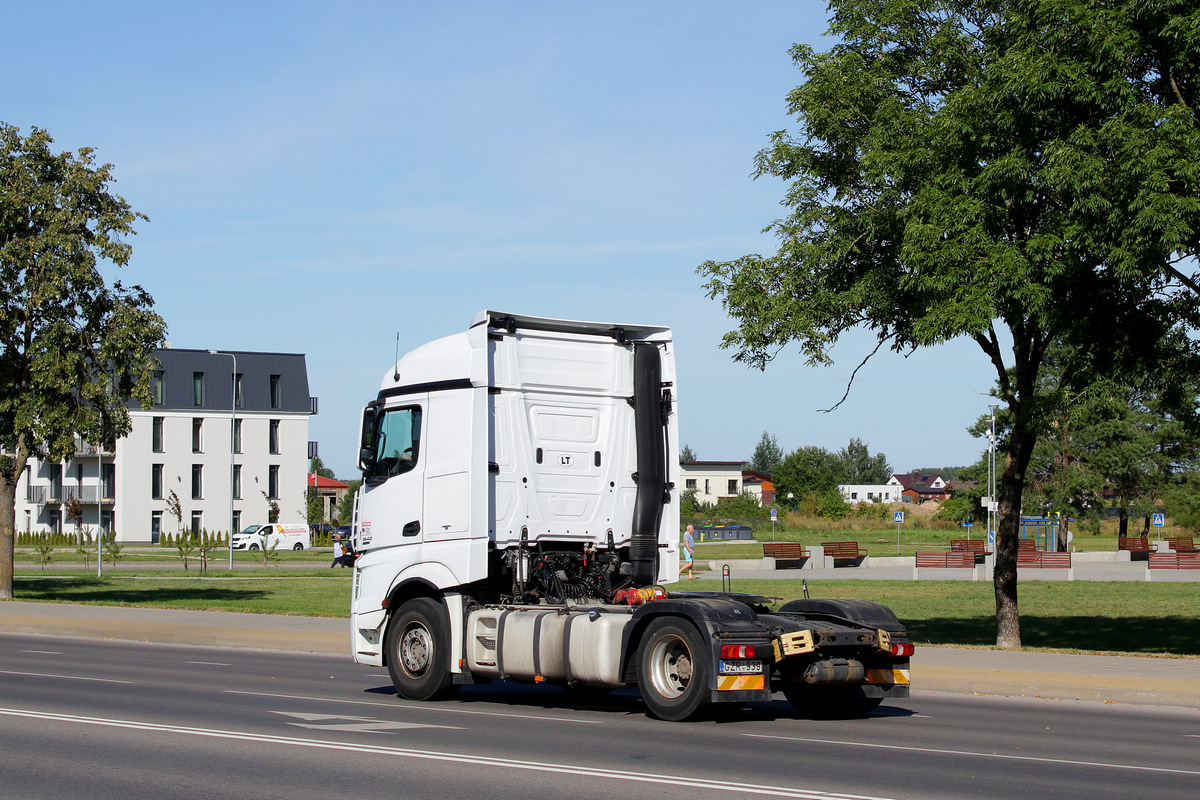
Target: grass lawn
{"x":1121,"y":617}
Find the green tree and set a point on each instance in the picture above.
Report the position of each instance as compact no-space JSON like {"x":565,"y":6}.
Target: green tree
{"x":687,"y":454}
{"x":862,"y":467}
{"x":767,"y":455}
{"x":809,"y":470}
{"x":317,"y":466}
{"x":1019,"y":172}
{"x":73,"y":349}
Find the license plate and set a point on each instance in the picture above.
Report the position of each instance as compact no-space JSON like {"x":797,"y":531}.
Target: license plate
{"x":740,"y":667}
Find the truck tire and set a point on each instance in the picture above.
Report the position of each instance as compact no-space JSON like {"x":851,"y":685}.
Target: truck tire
{"x":673,"y":669}
{"x":417,"y":648}
{"x":829,"y":702}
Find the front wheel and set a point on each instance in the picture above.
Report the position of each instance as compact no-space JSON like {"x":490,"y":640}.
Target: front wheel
{"x":253,"y":547}
{"x":417,"y":648}
{"x":673,"y":670}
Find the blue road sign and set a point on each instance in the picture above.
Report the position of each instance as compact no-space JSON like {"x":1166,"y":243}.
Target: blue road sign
{"x":899,"y":518}
{"x":774,"y":513}
{"x":1158,"y":521}
{"x":968,"y":524}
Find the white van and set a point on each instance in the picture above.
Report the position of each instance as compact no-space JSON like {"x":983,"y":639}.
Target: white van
{"x":273,"y":536}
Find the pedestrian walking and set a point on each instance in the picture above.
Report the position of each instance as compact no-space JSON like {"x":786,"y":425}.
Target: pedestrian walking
{"x":688,"y":553}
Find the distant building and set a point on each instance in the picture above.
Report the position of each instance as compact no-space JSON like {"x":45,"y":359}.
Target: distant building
{"x":868,"y":493}
{"x":183,"y":444}
{"x":917,"y":487}
{"x":715,"y":481}
{"x":330,"y":490}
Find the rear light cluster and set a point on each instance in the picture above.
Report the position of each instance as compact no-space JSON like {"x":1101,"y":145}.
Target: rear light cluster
{"x":739,"y":651}
{"x":902,"y":649}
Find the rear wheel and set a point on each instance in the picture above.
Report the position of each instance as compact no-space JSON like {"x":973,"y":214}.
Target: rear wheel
{"x":829,"y":702}
{"x":673,"y":670}
{"x":417,"y":647}
{"x":298,"y":546}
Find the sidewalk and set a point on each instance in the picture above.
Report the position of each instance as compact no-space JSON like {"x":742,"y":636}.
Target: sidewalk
{"x":1116,"y":679}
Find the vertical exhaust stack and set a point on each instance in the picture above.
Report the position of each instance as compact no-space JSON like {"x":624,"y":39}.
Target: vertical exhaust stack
{"x":650,"y":435}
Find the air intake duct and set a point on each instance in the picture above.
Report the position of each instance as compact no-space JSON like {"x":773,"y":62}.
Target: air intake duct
{"x":651,"y":438}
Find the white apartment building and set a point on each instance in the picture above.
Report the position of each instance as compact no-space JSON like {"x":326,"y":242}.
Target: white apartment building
{"x":183,"y":446}
{"x":713,"y":481}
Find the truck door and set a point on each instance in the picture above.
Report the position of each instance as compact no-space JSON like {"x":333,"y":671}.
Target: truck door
{"x":391,"y":512}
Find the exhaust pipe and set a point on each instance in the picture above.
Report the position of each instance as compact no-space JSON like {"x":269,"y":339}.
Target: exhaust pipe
{"x":650,"y":435}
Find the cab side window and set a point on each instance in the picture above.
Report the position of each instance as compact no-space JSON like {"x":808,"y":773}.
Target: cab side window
{"x":397,"y":441}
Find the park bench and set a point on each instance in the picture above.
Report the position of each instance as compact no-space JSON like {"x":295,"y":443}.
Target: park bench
{"x":1025,"y":545}
{"x":1180,"y":560}
{"x":1039,"y":559}
{"x":940,"y":559}
{"x":977,"y":547}
{"x":1138,"y":546}
{"x":1181,"y":544}
{"x":785,"y":553}
{"x":844,"y":551}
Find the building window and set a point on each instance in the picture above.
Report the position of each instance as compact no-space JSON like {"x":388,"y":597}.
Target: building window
{"x":273,"y":482}
{"x":273,"y":439}
{"x":155,"y":526}
{"x":707,"y":487}
{"x":733,"y":486}
{"x":156,"y":481}
{"x":157,"y":392}
{"x":55,"y":520}
{"x":107,"y":521}
{"x":156,"y":434}
{"x":275,"y":399}
{"x":689,"y":483}
{"x":870,"y":495}
{"x":237,"y":481}
{"x":237,"y":521}
{"x":237,"y":436}
{"x":55,"y":482}
{"x":197,"y":522}
{"x":854,"y":495}
{"x":197,"y":481}
{"x":108,"y":482}
{"x":197,"y":388}
{"x":237,"y":390}
{"x":198,"y":435}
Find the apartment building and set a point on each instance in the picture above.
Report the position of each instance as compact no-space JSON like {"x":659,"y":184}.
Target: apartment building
{"x":222,"y":423}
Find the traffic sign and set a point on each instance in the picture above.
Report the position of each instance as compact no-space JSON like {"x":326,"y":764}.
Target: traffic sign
{"x":899,"y":517}
{"x":1158,"y":520}
{"x":968,"y":524}
{"x":774,"y":513}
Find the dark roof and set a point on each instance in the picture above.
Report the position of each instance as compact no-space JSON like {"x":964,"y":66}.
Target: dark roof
{"x":179,"y":367}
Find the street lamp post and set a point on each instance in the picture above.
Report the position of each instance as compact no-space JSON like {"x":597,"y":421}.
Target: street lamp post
{"x":992,"y":473}
{"x":232,"y":445}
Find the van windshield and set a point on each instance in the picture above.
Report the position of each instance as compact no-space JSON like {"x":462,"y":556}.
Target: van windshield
{"x":250,"y":529}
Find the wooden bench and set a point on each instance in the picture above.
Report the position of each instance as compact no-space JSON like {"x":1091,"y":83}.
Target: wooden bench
{"x":940,"y":559}
{"x":1025,"y":545}
{"x":1039,"y":559}
{"x":978,"y":547}
{"x":1181,"y":544}
{"x":785,"y":552}
{"x":1138,"y":546}
{"x":844,"y":551}
{"x":1181,"y":560}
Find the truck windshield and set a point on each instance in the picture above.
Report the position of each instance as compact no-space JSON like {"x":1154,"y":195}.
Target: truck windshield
{"x":397,"y":441}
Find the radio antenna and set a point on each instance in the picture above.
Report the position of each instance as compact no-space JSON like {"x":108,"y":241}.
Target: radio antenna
{"x":396,"y":369}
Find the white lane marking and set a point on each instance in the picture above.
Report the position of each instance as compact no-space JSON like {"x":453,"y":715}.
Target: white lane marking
{"x":1003,"y":756}
{"x":602,"y":773}
{"x":354,"y":724}
{"x":210,"y":663}
{"x":61,"y":677}
{"x":418,"y":706}
{"x":44,"y":652}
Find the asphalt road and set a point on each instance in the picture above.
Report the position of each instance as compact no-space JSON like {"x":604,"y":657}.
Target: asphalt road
{"x":95,"y":719}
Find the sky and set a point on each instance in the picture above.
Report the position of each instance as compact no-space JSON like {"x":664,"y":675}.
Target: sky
{"x":323,"y":177}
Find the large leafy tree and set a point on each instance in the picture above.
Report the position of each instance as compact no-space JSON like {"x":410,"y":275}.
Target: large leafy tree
{"x":809,"y":470}
{"x":862,"y":467}
{"x":1019,"y":172}
{"x":767,"y":455}
{"x":73,"y":349}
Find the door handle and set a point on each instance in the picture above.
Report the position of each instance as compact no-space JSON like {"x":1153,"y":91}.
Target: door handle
{"x":412,"y":528}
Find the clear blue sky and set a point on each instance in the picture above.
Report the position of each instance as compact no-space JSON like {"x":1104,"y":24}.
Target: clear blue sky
{"x":322,"y":176}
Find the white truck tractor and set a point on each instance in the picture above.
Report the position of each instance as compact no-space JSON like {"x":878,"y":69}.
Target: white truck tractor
{"x":519,"y":515}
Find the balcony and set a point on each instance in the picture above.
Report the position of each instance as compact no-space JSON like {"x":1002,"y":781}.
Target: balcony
{"x":84,"y":449}
{"x":37,"y":495}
